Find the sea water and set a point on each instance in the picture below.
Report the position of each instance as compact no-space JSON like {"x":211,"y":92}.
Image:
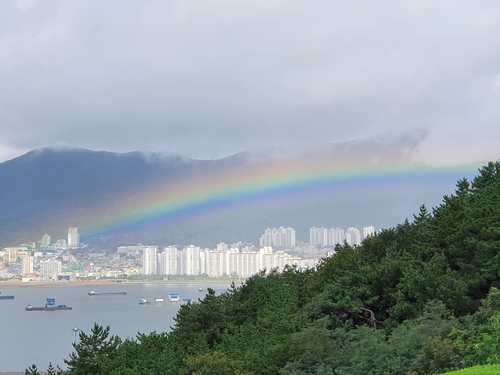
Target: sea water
{"x":40,"y":337}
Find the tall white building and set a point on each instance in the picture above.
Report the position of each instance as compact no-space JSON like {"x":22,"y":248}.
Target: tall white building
{"x":353,"y":236}
{"x":368,"y":231}
{"x":222,"y":247}
{"x":73,"y":237}
{"x":149,"y":261}
{"x":278,"y":237}
{"x":168,"y":261}
{"x":193,"y":264}
{"x":243,"y":264}
{"x":215,"y":263}
{"x":50,"y":268}
{"x":45,"y":240}
{"x":336,"y":236}
{"x":318,"y":236}
{"x":27,"y":264}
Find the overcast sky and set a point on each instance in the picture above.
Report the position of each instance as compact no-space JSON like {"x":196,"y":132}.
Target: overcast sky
{"x":210,"y":78}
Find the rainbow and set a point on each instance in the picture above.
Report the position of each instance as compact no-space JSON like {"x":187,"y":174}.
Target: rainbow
{"x":258,"y":183}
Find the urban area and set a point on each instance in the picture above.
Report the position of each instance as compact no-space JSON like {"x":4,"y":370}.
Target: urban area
{"x":67,"y":260}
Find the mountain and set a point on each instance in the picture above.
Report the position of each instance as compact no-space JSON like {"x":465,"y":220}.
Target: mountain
{"x":48,"y":190}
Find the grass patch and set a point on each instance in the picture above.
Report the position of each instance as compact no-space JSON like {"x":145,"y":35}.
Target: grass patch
{"x":478,"y":370}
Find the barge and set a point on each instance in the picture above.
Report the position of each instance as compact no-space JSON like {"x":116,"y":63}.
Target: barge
{"x":173,"y":299}
{"x":92,"y":293}
{"x":50,"y":305}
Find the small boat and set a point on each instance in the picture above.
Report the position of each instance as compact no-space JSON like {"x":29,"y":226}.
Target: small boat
{"x":200,"y":289}
{"x":143,"y":301}
{"x":6,"y":297}
{"x":50,"y":305}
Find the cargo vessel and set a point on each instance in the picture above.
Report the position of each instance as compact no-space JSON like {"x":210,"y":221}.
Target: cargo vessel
{"x":50,"y":305}
{"x":92,"y":293}
{"x":173,"y":299}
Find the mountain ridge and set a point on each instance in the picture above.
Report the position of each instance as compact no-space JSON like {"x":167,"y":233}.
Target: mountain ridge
{"x":48,"y":190}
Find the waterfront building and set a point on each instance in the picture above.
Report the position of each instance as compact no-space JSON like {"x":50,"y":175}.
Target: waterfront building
{"x":149,"y":261}
{"x":50,"y":268}
{"x":27,"y":265}
{"x":168,"y":261}
{"x":215,"y":263}
{"x":192,"y":260}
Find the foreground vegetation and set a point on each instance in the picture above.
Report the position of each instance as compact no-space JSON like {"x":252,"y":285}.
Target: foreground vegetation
{"x":420,"y":298}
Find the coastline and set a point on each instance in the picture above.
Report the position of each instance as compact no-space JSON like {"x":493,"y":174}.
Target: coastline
{"x":69,"y":284}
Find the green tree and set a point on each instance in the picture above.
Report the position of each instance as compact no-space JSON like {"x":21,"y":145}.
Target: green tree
{"x":91,"y":350}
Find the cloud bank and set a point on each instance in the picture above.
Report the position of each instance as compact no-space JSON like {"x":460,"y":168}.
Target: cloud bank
{"x":207,"y":79}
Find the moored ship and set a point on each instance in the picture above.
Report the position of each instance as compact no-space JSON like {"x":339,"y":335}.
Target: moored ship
{"x":50,"y":305}
{"x":173,"y":299}
{"x":92,"y":293}
{"x":6,"y":297}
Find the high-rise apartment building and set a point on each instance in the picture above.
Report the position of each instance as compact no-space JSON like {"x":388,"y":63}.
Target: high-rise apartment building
{"x":318,"y":236}
{"x":45,"y":241}
{"x":193,"y":264}
{"x":215,"y":265}
{"x":222,"y":247}
{"x":278,"y":237}
{"x":168,"y":261}
{"x":368,"y":231}
{"x":149,"y":261}
{"x":353,"y":236}
{"x":336,"y":236}
{"x":27,"y":264}
{"x":73,"y":237}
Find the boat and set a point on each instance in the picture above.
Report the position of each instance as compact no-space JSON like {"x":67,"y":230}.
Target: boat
{"x":50,"y":305}
{"x":92,"y":293}
{"x":6,"y":297}
{"x":173,"y":299}
{"x":200,"y":289}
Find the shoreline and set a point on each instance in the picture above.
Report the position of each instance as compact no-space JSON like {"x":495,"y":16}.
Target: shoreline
{"x":63,"y":284}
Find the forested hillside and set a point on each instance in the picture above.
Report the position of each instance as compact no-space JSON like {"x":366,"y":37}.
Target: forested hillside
{"x":420,"y":298}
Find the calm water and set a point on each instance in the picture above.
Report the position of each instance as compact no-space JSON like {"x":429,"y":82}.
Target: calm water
{"x":28,"y":337}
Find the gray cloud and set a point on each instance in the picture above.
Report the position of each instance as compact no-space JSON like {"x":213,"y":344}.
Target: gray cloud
{"x":210,"y":78}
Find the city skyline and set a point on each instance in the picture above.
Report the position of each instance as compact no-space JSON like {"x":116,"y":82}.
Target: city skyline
{"x":280,"y":237}
{"x":277,"y":249}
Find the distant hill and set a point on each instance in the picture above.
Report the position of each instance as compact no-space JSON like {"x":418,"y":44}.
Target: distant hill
{"x":48,"y":190}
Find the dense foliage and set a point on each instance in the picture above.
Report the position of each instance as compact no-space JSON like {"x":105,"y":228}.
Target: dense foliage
{"x":420,"y":298}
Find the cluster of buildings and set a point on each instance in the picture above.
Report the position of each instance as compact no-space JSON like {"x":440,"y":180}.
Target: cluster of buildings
{"x":332,"y":236}
{"x":278,"y":249}
{"x":224,"y":261}
{"x":280,"y":238}
{"x":48,"y":267}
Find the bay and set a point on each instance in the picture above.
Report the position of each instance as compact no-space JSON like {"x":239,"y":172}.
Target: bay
{"x":40,"y":337}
